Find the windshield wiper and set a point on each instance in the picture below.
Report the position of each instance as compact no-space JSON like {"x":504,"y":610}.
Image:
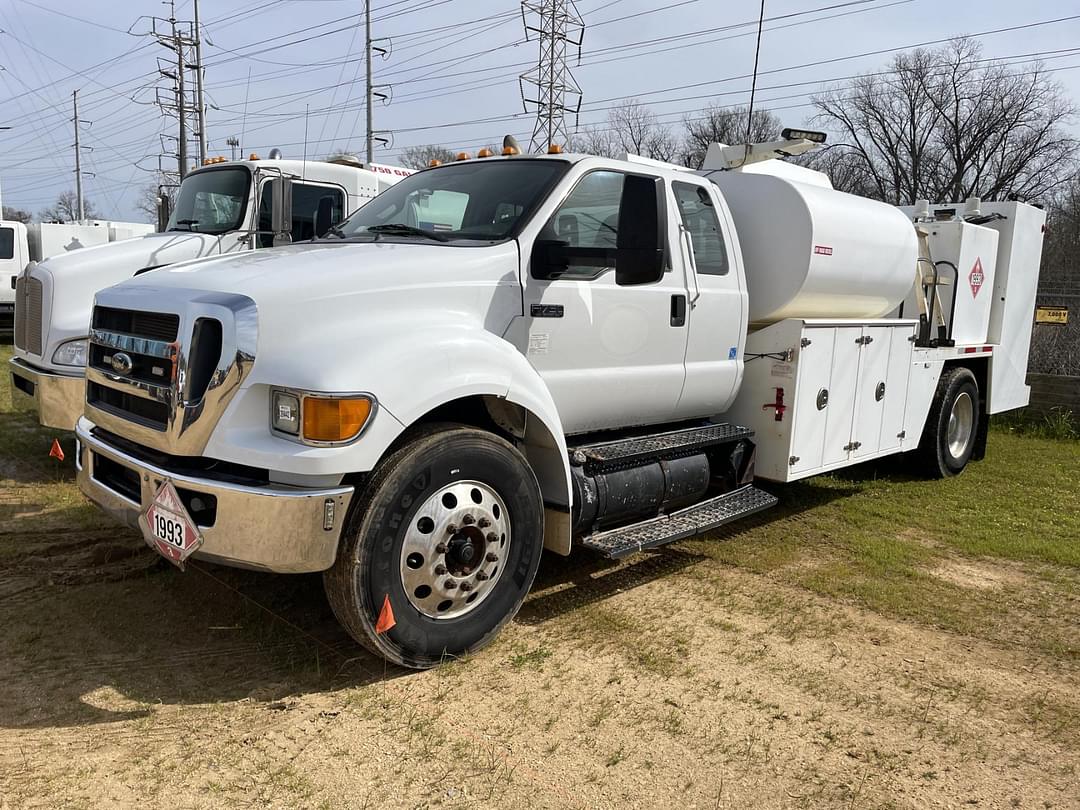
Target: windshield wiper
{"x":400,"y":228}
{"x":336,"y":231}
{"x":188,"y":222}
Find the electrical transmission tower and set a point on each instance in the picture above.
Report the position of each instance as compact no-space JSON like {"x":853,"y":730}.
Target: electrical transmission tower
{"x":558,"y":25}
{"x":181,"y":38}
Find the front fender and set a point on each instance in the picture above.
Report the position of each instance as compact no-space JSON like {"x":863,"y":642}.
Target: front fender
{"x":411,"y":372}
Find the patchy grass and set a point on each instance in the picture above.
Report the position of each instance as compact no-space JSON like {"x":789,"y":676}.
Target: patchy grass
{"x":1060,"y":424}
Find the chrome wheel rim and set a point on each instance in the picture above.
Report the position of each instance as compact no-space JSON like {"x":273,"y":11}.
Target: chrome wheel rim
{"x":961,"y":422}
{"x":454,"y":548}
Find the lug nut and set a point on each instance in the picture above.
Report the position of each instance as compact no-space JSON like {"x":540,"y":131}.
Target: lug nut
{"x":440,"y":570}
{"x":492,"y":558}
{"x":465,"y":586}
{"x":482,"y":575}
{"x":450,"y":584}
{"x":492,"y":537}
{"x":451,"y":529}
{"x":483,"y":523}
{"x":468,"y":520}
{"x":441,"y":548}
{"x":466,"y":570}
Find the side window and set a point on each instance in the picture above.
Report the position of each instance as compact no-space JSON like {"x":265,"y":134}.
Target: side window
{"x":588,"y":218}
{"x":699,"y":218}
{"x":7,"y":243}
{"x":307,"y":201}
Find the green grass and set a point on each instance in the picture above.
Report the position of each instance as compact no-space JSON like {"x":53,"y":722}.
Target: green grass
{"x":1059,"y":423}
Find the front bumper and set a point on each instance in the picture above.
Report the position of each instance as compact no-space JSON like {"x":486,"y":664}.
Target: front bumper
{"x":265,"y":526}
{"x":57,"y":398}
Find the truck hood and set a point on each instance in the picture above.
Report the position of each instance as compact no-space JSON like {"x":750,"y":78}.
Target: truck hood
{"x":317,"y":271}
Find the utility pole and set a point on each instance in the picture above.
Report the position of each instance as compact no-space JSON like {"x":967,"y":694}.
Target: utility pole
{"x":233,"y":143}
{"x":367,"y":53}
{"x":200,"y":103}
{"x":181,"y":107}
{"x":557,"y":24}
{"x":78,"y":157}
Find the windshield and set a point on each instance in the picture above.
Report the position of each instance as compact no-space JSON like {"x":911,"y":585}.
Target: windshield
{"x":484,"y":199}
{"x":211,"y":201}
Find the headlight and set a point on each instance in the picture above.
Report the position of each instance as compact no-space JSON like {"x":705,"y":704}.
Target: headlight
{"x":320,"y":418}
{"x":71,"y":353}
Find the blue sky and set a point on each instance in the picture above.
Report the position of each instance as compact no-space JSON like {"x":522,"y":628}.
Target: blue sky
{"x":452,"y":69}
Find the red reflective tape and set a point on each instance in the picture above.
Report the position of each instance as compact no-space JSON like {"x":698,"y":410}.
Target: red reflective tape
{"x":971,"y":349}
{"x":988,"y":348}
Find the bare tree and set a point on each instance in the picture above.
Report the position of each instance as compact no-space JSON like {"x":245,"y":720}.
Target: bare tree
{"x":66,"y":209}
{"x":633,"y":128}
{"x":597,"y":141}
{"x":945,"y":124}
{"x":16,"y":214}
{"x":727,"y":125}
{"x":420,"y":157}
{"x":148,"y":196}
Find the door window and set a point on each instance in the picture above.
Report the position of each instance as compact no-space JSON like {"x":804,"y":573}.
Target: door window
{"x":7,"y":243}
{"x":699,"y":218}
{"x":306,"y":202}
{"x":588,"y":218}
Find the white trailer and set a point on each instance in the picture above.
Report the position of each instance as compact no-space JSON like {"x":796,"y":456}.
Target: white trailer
{"x":551,"y":352}
{"x":223,"y":207}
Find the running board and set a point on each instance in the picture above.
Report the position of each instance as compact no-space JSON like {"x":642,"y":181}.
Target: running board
{"x":621,"y":454}
{"x":696,"y":519}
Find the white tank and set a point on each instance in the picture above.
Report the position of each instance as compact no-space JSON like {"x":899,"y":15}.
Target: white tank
{"x":813,"y":252}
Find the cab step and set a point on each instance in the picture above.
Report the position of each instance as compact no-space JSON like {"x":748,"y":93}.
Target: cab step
{"x":696,"y":519}
{"x":621,"y":454}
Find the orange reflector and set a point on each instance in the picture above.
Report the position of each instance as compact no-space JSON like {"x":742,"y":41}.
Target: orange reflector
{"x":253,"y":156}
{"x":334,"y":420}
{"x":484,"y":153}
{"x":554,"y":149}
{"x":463,"y":155}
{"x":511,"y":150}
{"x":434,"y":162}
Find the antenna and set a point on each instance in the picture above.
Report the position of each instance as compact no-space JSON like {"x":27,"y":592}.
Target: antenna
{"x":303,"y":166}
{"x":557,"y":24}
{"x":753,"y":82}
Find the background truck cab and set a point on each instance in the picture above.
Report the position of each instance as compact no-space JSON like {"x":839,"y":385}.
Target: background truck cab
{"x":221,"y":208}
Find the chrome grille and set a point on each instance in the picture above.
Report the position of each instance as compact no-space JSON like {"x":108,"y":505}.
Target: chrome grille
{"x":163,"y":379}
{"x":28,"y":314}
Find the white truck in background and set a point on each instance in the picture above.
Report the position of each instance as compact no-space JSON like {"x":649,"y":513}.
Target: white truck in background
{"x":21,"y":243}
{"x":522,"y":352}
{"x":222,"y":207}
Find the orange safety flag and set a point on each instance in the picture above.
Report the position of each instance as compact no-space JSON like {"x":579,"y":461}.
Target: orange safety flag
{"x":386,"y":617}
{"x":56,"y":451}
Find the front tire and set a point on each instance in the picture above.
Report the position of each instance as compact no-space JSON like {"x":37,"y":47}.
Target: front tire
{"x":450,"y":529}
{"x":949,"y":437}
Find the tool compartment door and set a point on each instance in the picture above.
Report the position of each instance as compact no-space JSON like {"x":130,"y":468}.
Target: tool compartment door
{"x":872,"y":390}
{"x":842,"y":389}
{"x":808,"y":420}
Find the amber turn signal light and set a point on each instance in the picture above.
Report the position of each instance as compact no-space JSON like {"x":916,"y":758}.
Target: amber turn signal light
{"x":335,"y":420}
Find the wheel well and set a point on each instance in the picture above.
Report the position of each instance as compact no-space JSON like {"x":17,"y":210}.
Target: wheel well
{"x":980,"y":367}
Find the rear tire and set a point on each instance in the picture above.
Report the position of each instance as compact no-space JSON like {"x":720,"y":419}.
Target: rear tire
{"x":450,"y":529}
{"x":949,"y":436}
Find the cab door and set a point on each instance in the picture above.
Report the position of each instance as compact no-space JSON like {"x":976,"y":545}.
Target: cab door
{"x":718,"y":301}
{"x":612,"y":356}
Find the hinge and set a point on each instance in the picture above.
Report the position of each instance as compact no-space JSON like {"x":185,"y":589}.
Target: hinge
{"x":902,"y":434}
{"x":851,"y":446}
{"x":792,"y":461}
{"x":805,"y":342}
{"x":865,"y":340}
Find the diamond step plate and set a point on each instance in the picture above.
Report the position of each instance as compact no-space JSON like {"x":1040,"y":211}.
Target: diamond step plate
{"x":604,"y":457}
{"x":701,"y":517}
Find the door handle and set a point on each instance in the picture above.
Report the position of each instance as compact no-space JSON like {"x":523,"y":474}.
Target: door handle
{"x":678,"y":310}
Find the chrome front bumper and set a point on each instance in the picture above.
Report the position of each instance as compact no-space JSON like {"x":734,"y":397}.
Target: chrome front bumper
{"x":268,"y":527}
{"x":57,"y":398}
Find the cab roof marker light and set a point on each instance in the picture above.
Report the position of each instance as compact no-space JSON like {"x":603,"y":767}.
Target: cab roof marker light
{"x":253,"y":156}
{"x":463,"y":156}
{"x":511,"y":150}
{"x":789,"y":134}
{"x":434,"y":162}
{"x":554,"y":149}
{"x":485,"y":152}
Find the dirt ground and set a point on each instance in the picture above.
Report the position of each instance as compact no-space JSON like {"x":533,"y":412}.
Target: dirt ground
{"x":703,"y":675}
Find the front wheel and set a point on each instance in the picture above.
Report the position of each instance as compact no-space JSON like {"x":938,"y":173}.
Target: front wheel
{"x":948,"y":439}
{"x":450,"y":529}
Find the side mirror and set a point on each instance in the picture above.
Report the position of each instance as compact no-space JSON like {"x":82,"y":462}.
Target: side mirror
{"x":639,"y":247}
{"x":281,"y":210}
{"x":164,"y":211}
{"x":324,"y":216}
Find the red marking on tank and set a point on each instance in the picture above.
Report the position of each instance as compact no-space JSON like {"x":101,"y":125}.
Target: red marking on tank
{"x":778,"y":403}
{"x":976,"y":277}
{"x":822,"y":250}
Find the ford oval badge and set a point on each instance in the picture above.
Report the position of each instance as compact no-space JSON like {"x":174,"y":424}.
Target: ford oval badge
{"x":122,"y":363}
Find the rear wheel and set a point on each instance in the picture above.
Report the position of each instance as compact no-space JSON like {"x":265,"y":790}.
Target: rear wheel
{"x":948,"y":439}
{"x":449,"y":528}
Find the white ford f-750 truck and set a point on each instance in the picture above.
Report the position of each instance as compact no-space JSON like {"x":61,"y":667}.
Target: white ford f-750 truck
{"x":223,"y":207}
{"x":513,"y":353}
